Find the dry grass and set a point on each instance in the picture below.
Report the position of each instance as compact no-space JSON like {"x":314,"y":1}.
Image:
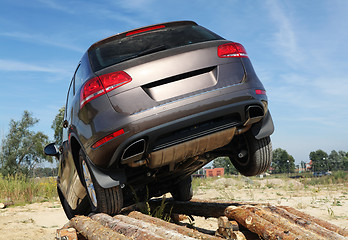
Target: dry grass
{"x":22,"y":190}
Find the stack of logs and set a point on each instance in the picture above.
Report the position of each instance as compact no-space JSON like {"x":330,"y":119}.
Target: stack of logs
{"x":236,"y":220}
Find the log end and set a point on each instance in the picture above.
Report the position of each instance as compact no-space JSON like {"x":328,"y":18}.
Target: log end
{"x":230,"y":209}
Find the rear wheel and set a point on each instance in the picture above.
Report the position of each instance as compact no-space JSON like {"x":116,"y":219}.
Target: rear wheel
{"x":251,"y":156}
{"x":182,"y":191}
{"x":106,"y":200}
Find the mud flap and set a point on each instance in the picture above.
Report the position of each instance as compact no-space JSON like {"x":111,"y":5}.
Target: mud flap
{"x":108,"y":178}
{"x":264,"y":128}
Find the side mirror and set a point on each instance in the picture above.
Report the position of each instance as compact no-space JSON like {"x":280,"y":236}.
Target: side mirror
{"x":51,"y":150}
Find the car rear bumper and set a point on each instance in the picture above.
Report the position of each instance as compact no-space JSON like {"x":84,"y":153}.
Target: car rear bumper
{"x":153,"y":139}
{"x":177,"y":122}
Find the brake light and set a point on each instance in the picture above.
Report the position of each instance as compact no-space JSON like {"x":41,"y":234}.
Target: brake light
{"x":100,"y":85}
{"x":144,"y":30}
{"x":232,"y":50}
{"x":91,"y":90}
{"x":260,"y":92}
{"x":108,"y":138}
{"x":114,"y":80}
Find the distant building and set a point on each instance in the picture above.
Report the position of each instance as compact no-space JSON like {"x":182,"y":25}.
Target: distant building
{"x":214,"y":172}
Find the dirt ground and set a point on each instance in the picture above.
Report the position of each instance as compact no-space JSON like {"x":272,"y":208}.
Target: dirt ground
{"x":33,"y":221}
{"x":40,"y":220}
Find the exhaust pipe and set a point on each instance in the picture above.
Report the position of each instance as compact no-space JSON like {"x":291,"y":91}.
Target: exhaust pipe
{"x":134,"y":153}
{"x":254,"y":113}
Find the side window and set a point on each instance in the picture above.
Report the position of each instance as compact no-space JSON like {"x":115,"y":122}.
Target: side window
{"x":71,"y":93}
{"x":80,"y":76}
{"x":67,"y":114}
{"x":69,"y":100}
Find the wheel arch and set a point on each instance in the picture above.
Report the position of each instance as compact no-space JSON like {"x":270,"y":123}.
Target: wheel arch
{"x":106,"y":178}
{"x":75,"y":147}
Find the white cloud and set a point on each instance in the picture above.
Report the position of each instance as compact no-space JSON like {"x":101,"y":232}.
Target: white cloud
{"x":10,"y":65}
{"x":43,"y":39}
{"x":114,"y":10}
{"x":56,"y":5}
{"x":309,"y":77}
{"x":285,"y":39}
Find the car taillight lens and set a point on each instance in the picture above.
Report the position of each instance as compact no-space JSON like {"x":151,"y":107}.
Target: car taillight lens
{"x":108,"y":138}
{"x":144,"y":30}
{"x":232,"y":50}
{"x":100,"y":85}
{"x":91,"y":90}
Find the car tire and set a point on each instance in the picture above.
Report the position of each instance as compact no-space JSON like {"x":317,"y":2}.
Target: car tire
{"x":105,"y":200}
{"x":183,"y":191}
{"x":251,"y":156}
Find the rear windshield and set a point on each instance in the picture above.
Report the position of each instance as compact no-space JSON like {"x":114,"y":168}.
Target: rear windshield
{"x":122,"y":49}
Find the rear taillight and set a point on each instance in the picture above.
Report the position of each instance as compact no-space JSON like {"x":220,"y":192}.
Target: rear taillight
{"x":114,"y":80}
{"x":232,"y":50}
{"x":91,"y":90}
{"x":100,"y":85}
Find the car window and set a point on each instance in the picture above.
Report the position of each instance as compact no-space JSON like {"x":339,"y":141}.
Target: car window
{"x":78,"y":77}
{"x":81,"y":74}
{"x":69,"y":100}
{"x":119,"y":50}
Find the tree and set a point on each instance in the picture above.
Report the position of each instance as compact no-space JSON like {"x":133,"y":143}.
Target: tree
{"x":46,"y":172}
{"x":282,"y":161}
{"x":334,"y":161}
{"x":224,"y":162}
{"x":22,"y":149}
{"x":57,"y":126}
{"x":344,"y":161}
{"x":319,"y":161}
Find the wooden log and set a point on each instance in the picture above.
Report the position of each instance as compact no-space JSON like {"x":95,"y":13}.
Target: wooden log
{"x":93,"y":230}
{"x":229,"y":229}
{"x":180,"y":229}
{"x":67,"y":234}
{"x":237,"y":235}
{"x":126,"y":229}
{"x":258,"y":225}
{"x":323,"y":223}
{"x":282,"y":223}
{"x":312,"y":226}
{"x":163,"y":232}
{"x":196,"y":207}
{"x":224,"y":222}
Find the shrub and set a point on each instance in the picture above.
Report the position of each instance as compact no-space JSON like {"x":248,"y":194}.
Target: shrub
{"x":20,"y":189}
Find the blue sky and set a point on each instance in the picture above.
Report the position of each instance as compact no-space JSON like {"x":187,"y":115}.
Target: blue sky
{"x":298,"y":49}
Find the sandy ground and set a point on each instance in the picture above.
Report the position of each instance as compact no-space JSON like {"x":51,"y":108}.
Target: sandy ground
{"x":40,"y":220}
{"x":33,"y":221}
